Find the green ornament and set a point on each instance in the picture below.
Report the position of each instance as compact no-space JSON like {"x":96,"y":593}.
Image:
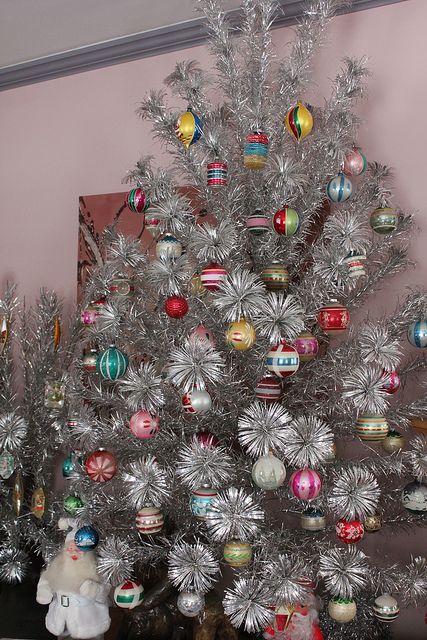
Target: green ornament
{"x":112,"y":363}
{"x":384,"y":220}
{"x":72,"y":504}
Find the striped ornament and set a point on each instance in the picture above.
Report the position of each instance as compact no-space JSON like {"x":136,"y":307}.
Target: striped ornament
{"x":137,"y":201}
{"x":240,"y":335}
{"x":354,"y":163}
{"x":201,"y":500}
{"x":384,"y":220}
{"x":275,"y":277}
{"x":255,"y":151}
{"x":371,"y":428}
{"x":112,"y":363}
{"x":149,"y":520}
{"x":217,"y":174}
{"x":268,"y":389}
{"x":101,"y":466}
{"x":129,"y":594}
{"x":188,"y":128}
{"x":305,"y":484}
{"x":354,"y":262}
{"x":237,"y":554}
{"x":258,"y":223}
{"x":299,"y":121}
{"x":313,"y":520}
{"x":212,"y":276}
{"x":417,"y":334}
{"x":339,"y":189}
{"x":143,"y":425}
{"x":307,"y":346}
{"x":333,"y":318}
{"x":168,"y":247}
{"x":386,"y":608}
{"x":286,"y":221}
{"x":282,"y":360}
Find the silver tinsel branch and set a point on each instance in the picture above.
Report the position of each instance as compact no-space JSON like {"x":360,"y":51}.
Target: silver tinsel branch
{"x":285,"y":578}
{"x":379,"y":345}
{"x":234,"y":514}
{"x":192,"y":566}
{"x":413,"y":587}
{"x":417,"y":457}
{"x":198,"y":465}
{"x":308,"y":443}
{"x":14,"y":565}
{"x":263,"y":428}
{"x":247,"y":603}
{"x":13,"y":430}
{"x":195,"y":364}
{"x":354,"y":493}
{"x":213,"y":244}
{"x":239,"y":296}
{"x":169,"y":276}
{"x":364,"y":388}
{"x":345,"y":572}
{"x":147,"y":483}
{"x":279,"y":316}
{"x":142,"y":388}
{"x":115,"y":560}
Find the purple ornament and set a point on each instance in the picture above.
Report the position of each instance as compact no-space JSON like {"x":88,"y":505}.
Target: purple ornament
{"x":305,"y":484}
{"x":307,"y":346}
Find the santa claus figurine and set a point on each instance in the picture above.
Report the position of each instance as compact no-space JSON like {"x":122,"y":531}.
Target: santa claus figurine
{"x":76,"y":595}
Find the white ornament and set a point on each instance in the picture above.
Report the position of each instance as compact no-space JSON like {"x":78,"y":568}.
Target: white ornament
{"x":197,"y":401}
{"x":386,"y":608}
{"x":342,"y":610}
{"x":269,"y":472}
{"x":190,"y":603}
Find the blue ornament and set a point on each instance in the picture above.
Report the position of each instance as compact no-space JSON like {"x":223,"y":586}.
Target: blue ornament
{"x":68,"y":467}
{"x":112,"y":363}
{"x":86,"y":538}
{"x":339,"y":188}
{"x":200,"y":501}
{"x":417,"y":334}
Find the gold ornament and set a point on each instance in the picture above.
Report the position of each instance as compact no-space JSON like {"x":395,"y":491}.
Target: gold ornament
{"x":393,"y":442}
{"x":18,"y":493}
{"x":56,"y":333}
{"x":237,"y":553}
{"x":38,"y":503}
{"x":373,"y":522}
{"x":240,"y":335}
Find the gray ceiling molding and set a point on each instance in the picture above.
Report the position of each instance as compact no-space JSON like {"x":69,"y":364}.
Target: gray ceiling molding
{"x":141,"y":45}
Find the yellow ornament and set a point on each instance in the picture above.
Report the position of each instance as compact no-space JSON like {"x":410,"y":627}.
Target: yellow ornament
{"x":38,"y":503}
{"x":240,"y":335}
{"x":237,"y":553}
{"x":196,"y":287}
{"x":299,"y":121}
{"x":188,"y":128}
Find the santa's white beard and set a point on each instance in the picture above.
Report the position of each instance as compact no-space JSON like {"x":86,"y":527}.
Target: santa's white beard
{"x":66,"y":575}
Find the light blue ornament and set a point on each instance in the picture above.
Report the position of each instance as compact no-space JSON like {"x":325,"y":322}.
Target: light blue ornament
{"x":86,"y":538}
{"x":417,"y":334}
{"x":339,"y":189}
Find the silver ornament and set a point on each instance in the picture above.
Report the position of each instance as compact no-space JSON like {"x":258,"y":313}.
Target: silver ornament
{"x":190,"y":603}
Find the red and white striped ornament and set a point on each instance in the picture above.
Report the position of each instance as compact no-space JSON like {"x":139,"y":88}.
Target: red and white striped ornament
{"x":268,"y":389}
{"x":305,"y":484}
{"x":143,"y":425}
{"x":217,"y":174}
{"x":101,"y":466}
{"x":283,"y":360}
{"x":149,"y":520}
{"x":212,"y":276}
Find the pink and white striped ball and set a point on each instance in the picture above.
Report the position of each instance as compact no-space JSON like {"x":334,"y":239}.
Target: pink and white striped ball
{"x":212,"y":276}
{"x":268,"y":389}
{"x":101,"y":466}
{"x":202,"y":334}
{"x":282,"y":360}
{"x":149,"y":520}
{"x":305,"y":484}
{"x":143,"y":425}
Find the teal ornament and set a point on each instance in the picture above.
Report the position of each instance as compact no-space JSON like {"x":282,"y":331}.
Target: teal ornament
{"x":68,"y":467}
{"x":417,"y":334}
{"x":112,"y":363}
{"x":339,"y":189}
{"x":86,"y":538}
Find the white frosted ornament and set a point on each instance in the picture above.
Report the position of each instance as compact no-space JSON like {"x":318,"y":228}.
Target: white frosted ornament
{"x":196,"y":401}
{"x":129,"y":594}
{"x":190,"y":603}
{"x":168,"y":247}
{"x":386,"y":608}
{"x":268,"y":472}
{"x":342,"y":610}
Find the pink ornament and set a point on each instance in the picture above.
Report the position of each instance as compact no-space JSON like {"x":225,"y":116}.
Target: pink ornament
{"x":307,"y":346}
{"x":212,"y":276}
{"x":354,"y":163}
{"x":202,"y":334}
{"x":101,"y":466}
{"x":349,"y":531}
{"x":305,"y":484}
{"x":391,"y":382}
{"x":89,"y":314}
{"x":269,"y":389}
{"x":206,"y":439}
{"x":143,"y":425}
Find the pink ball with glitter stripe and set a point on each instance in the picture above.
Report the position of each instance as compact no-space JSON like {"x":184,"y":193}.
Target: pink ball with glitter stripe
{"x":212,"y":276}
{"x":305,"y":484}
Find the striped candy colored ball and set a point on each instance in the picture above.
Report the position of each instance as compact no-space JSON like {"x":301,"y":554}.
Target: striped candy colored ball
{"x":384,"y":220}
{"x":188,"y":128}
{"x":339,"y":189}
{"x":354,"y":163}
{"x":168,"y":247}
{"x":258,"y":223}
{"x":200,"y":501}
{"x":112,"y":363}
{"x":333,"y":318}
{"x":269,"y":389}
{"x":282,"y":360}
{"x":212,"y":276}
{"x":237,"y":554}
{"x":386,"y":608}
{"x":371,"y":428}
{"x":149,"y":520}
{"x":275,"y":277}
{"x":354,"y":262}
{"x":286,"y":221}
{"x":307,"y":346}
{"x":305,"y":484}
{"x":129,"y":594}
{"x":417,"y":334}
{"x":255,"y":151}
{"x":101,"y":466}
{"x":217,"y":174}
{"x":299,"y":121}
{"x":137,"y":201}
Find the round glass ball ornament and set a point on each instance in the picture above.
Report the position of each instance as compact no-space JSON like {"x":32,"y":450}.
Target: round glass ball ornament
{"x":144,"y":425}
{"x":391,"y":382}
{"x":112,"y":363}
{"x":196,"y":287}
{"x":298,"y":121}
{"x":201,"y":500}
{"x":354,"y":163}
{"x":149,"y":520}
{"x":89,"y":314}
{"x":384,"y":220}
{"x":269,"y":389}
{"x":190,"y":603}
{"x":394,"y":441}
{"x":121,"y":287}
{"x":255,"y":150}
{"x":414,"y":497}
{"x":137,"y":201}
{"x":86,"y":538}
{"x":176,"y":307}
{"x":373,"y":522}
{"x":282,"y":360}
{"x":386,"y":608}
{"x":269,"y":472}
{"x":371,"y":428}
{"x":417,"y":334}
{"x":89,"y":361}
{"x":240,"y":335}
{"x":349,"y":531}
{"x":355,"y":264}
{"x":258,"y":223}
{"x":339,"y":188}
{"x":202,"y":334}
{"x":307,"y":346}
{"x":196,"y":401}
{"x":212,"y":275}
{"x":206,"y":439}
{"x":305,"y":484}
{"x":101,"y":465}
{"x":286,"y":221}
{"x":217,"y":174}
{"x":342,"y":609}
{"x":188,"y":128}
{"x":72,"y":504}
{"x":275,"y":277}
{"x":313,"y":519}
{"x":68,"y":467}
{"x":333,"y":318}
{"x":168,"y":247}
{"x":237,"y":553}
{"x":129,"y":594}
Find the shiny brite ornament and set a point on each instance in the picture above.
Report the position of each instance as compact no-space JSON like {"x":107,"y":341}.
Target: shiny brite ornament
{"x":307,"y":346}
{"x":354,"y":163}
{"x":129,"y":594}
{"x":196,"y":401}
{"x":86,"y":538}
{"x":149,"y":520}
{"x":176,"y":307}
{"x":355,"y":263}
{"x":282,"y":360}
{"x":269,"y":389}
{"x":122,"y":287}
{"x":89,"y":314}
{"x":386,"y":608}
{"x":101,"y":466}
{"x":89,"y":361}
{"x":393,"y":442}
{"x":168,"y":247}
{"x":143,"y":425}
{"x":384,"y":220}
{"x":112,"y":363}
{"x":414,"y":497}
{"x":349,"y":531}
{"x":72,"y":504}
{"x":299,"y":121}
{"x":202,"y":334}
{"x":217,"y":174}
{"x":201,"y":500}
{"x":286,"y":221}
{"x":255,"y":151}
{"x":342,"y":610}
{"x":206,"y":439}
{"x":137,"y":201}
{"x":275,"y":277}
{"x":391,"y":382}
{"x":417,"y":334}
{"x":333,"y":318}
{"x":371,"y":428}
{"x":152,"y":226}
{"x":258,"y":223}
{"x":339,"y":189}
{"x":313,"y":520}
{"x":237,"y":553}
{"x":305,"y":484}
{"x":68,"y":467}
{"x":190,"y":603}
{"x":373,"y":522}
{"x":269,"y":473}
{"x":188,"y":128}
{"x":212,"y":276}
{"x":240,"y":335}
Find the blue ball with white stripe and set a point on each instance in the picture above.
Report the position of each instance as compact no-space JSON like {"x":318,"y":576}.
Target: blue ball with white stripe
{"x":417,"y":334}
{"x":112,"y":364}
{"x":339,"y":189}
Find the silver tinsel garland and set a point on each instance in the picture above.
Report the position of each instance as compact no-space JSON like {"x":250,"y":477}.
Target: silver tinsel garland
{"x":233,"y":514}
{"x":309,"y":442}
{"x":115,"y":560}
{"x":195,"y":364}
{"x":143,"y":388}
{"x":285,"y":577}
{"x":239,"y":296}
{"x":279,"y":317}
{"x":147,"y":483}
{"x":354,"y":493}
{"x":198,"y":465}
{"x":247,"y":603}
{"x":263,"y":428}
{"x":13,"y":430}
{"x":192,"y":566}
{"x":345,"y":572}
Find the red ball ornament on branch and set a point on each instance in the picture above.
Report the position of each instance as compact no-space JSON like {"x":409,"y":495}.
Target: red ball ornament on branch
{"x":206,"y":439}
{"x":176,"y":307}
{"x":391,"y":382}
{"x":101,"y":466}
{"x":349,"y":531}
{"x":286,"y":221}
{"x":333,"y":318}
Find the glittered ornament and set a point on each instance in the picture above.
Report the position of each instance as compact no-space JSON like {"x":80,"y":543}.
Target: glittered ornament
{"x":56,"y":333}
{"x":386,"y":608}
{"x":206,"y":439}
{"x":313,"y":520}
{"x":384,"y":220}
{"x":299,"y":121}
{"x":137,"y":201}
{"x":333,"y":318}
{"x":121,"y":287}
{"x":268,"y":472}
{"x":275,"y":277}
{"x":212,"y":276}
{"x":89,"y":314}
{"x":237,"y":553}
{"x":54,"y":394}
{"x":269,"y":389}
{"x":373,"y":522}
{"x":240,"y":335}
{"x":176,"y":307}
{"x":18,"y":493}
{"x":144,"y":425}
{"x":86,"y":538}
{"x":307,"y":346}
{"x":168,"y":247}
{"x":355,"y":263}
{"x":282,"y":360}
{"x":89,"y":361}
{"x":342,"y":610}
{"x":258,"y":223}
{"x":349,"y":531}
{"x":391,"y":382}
{"x":196,"y":287}
{"x":201,"y":500}
{"x":371,"y":428}
{"x":112,"y":363}
{"x":149,"y":520}
{"x":101,"y":466}
{"x":196,"y":401}
{"x":305,"y":484}
{"x":255,"y":150}
{"x":286,"y":221}
{"x":339,"y":188}
{"x":190,"y":603}
{"x":394,"y":441}
{"x":129,"y":594}
{"x":38,"y":503}
{"x":72,"y":505}
{"x":354,"y":163}
{"x":202,"y":334}
{"x":217,"y":174}
{"x":414,"y":497}
{"x":188,"y":128}
{"x":417,"y":334}
{"x":152,"y":226}
{"x":7,"y":465}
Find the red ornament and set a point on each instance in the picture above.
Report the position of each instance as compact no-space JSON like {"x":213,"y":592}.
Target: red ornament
{"x":176,"y":306}
{"x":269,"y":389}
{"x":349,"y":531}
{"x":101,"y":466}
{"x":286,"y":221}
{"x":391,"y":381}
{"x":143,"y":425}
{"x":333,"y":318}
{"x":212,"y":276}
{"x":206,"y":439}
